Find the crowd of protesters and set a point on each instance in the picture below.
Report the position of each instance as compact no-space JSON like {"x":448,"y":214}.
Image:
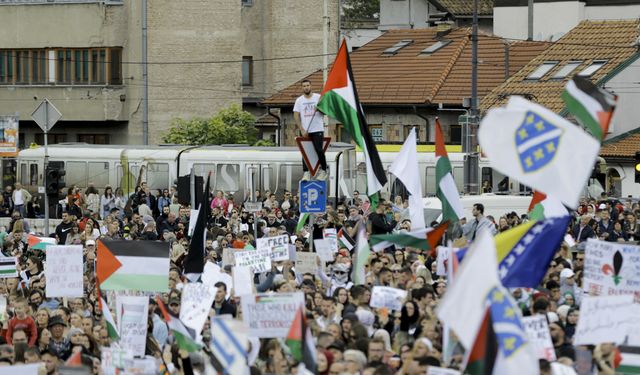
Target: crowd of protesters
{"x":351,"y":336}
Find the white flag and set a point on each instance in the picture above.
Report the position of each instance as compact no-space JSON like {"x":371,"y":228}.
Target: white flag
{"x":405,"y":168}
{"x":537,"y":147}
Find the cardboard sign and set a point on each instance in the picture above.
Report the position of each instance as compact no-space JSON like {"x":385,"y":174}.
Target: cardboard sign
{"x":384,"y":296}
{"x":539,"y":336}
{"x":64,"y":271}
{"x":277,"y":247}
{"x":113,"y":359}
{"x":611,"y":269}
{"x":605,"y":319}
{"x":258,"y":260}
{"x":133,"y":312}
{"x":243,"y":281}
{"x":324,"y":249}
{"x":270,"y":314}
{"x":331,"y":235}
{"x":195,"y":304}
{"x":306,"y":262}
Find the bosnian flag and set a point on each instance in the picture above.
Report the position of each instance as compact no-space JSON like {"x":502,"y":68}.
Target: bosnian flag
{"x":340,"y":101}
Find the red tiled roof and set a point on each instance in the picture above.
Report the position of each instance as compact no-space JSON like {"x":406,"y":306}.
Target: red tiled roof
{"x":412,"y":78}
{"x":465,"y":7}
{"x":622,"y":146}
{"x":613,"y":41}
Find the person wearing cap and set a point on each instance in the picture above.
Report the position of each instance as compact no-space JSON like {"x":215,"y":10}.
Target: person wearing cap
{"x":58,"y":344}
{"x":568,"y":285}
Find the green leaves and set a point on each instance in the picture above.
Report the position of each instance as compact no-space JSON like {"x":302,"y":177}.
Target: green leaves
{"x":230,"y":126}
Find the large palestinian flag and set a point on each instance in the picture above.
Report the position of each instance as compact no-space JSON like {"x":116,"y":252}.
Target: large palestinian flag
{"x":340,"y":101}
{"x":592,"y":106}
{"x":133,"y":265}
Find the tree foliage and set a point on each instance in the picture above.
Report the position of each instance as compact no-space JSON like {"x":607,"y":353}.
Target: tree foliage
{"x":361,"y":9}
{"x":229,"y":126}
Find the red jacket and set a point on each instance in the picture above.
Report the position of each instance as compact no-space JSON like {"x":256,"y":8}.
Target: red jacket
{"x":28,"y":325}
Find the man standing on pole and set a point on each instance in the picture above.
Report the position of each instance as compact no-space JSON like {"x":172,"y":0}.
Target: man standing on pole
{"x":309,"y":120}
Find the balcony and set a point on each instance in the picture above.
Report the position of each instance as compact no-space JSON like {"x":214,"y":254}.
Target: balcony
{"x":39,"y":2}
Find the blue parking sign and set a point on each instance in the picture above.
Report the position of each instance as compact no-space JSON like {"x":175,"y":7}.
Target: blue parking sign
{"x":313,"y":197}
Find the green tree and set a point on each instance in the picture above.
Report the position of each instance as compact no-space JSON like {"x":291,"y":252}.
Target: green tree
{"x":361,"y":9}
{"x":230,"y":125}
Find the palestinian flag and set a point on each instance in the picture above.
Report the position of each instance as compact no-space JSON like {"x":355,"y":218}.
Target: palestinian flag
{"x":482,"y":356}
{"x":8,"y":267}
{"x":112,"y":329}
{"x":629,"y":360}
{"x":423,"y":238}
{"x":361,"y":255}
{"x":194,"y":261}
{"x":340,"y":101}
{"x":446,"y":189}
{"x":345,"y":239}
{"x":592,"y":106}
{"x":41,"y":243}
{"x":185,"y":337}
{"x":133,"y":265}
{"x":543,"y":207}
{"x":302,"y":220}
{"x":75,"y":360}
{"x":300,"y":341}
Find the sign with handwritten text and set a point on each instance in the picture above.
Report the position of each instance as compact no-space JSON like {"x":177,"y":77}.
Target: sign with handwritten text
{"x":63,"y":271}
{"x":270,"y":314}
{"x":611,"y":269}
{"x":133,"y":313}
{"x":538,"y":332}
{"x":258,"y":260}
{"x":277,"y":246}
{"x":604,"y":319}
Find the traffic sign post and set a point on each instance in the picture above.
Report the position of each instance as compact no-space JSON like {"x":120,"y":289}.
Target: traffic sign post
{"x":46,"y":116}
{"x":309,"y":154}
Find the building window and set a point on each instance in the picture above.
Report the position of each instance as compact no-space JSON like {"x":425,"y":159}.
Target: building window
{"x":434,"y":47}
{"x":51,"y":139}
{"x":566,"y":70}
{"x":247,"y":70}
{"x":396,"y":47}
{"x":246,"y":3}
{"x":6,"y":66}
{"x":94,"y":139}
{"x":593,"y":68}
{"x":115,"y":66}
{"x":541,"y":70}
{"x":377,"y":133}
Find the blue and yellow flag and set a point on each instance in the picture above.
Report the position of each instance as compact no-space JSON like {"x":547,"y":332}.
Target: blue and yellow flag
{"x":524,"y":252}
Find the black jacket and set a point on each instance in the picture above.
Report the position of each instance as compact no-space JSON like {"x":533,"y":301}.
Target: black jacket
{"x":379,"y":224}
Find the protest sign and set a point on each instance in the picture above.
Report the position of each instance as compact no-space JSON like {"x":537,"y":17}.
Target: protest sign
{"x":132,"y":315}
{"x":441,"y":371}
{"x":195,"y":304}
{"x":324,"y":250}
{"x":611,"y":269}
{"x":539,"y":336}
{"x":243,"y":280}
{"x":228,"y":257}
{"x":258,"y":260}
{"x":213,"y":274}
{"x":30,"y":369}
{"x":384,"y":296}
{"x":277,"y":247}
{"x":331,"y":235}
{"x":292,"y":253}
{"x":8,"y":267}
{"x":306,"y":262}
{"x":604,"y":319}
{"x":64,"y":271}
{"x":141,"y":366}
{"x":113,"y":359}
{"x":270,"y":314}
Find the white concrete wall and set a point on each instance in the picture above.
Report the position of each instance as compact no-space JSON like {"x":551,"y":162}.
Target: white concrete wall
{"x":612,"y":12}
{"x":357,"y":38}
{"x":627,"y":115}
{"x":550,"y":20}
{"x":403,"y":14}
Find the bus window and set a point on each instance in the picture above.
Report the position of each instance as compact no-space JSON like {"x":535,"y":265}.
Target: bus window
{"x":228,"y":178}
{"x":24,"y":176}
{"x":487,"y":175}
{"x":33,"y":174}
{"x":296,"y":176}
{"x":158,"y":176}
{"x":430,"y":178}
{"x":76,"y":173}
{"x":285,"y":178}
{"x":269,"y":180}
{"x":99,"y":174}
{"x":458,"y":177}
{"x":361,"y":178}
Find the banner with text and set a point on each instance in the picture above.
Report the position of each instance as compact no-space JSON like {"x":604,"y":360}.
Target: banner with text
{"x":132,"y":315}
{"x":539,"y":336}
{"x":277,"y":246}
{"x":258,"y":260}
{"x":64,"y":271}
{"x":270,"y":314}
{"x":611,"y":269}
{"x":384,"y":296}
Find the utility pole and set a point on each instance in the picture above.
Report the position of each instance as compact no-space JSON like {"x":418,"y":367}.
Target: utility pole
{"x":471,"y":149}
{"x":145,"y":77}
{"x":530,"y":20}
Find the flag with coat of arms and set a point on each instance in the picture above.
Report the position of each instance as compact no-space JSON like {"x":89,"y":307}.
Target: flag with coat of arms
{"x":539,"y":148}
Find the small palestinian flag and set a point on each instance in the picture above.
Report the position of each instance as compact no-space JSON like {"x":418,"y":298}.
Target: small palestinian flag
{"x":112,"y":329}
{"x":482,"y":356}
{"x":302,"y":220}
{"x":592,"y":106}
{"x":8,"y":268}
{"x":345,"y":239}
{"x":300,"y":341}
{"x":425,"y":238}
{"x":41,"y":243}
{"x":629,"y":360}
{"x":133,"y":265}
{"x":185,"y":337}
